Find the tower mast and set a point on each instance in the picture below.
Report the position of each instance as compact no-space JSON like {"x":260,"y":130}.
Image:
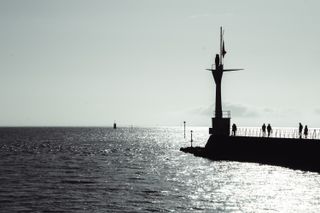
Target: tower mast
{"x":220,"y":124}
{"x":221,"y":40}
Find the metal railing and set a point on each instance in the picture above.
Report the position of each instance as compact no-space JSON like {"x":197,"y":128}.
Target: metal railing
{"x":225,"y":114}
{"x":313,"y":133}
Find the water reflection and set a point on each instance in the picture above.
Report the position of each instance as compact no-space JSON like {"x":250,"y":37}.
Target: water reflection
{"x":140,"y":169}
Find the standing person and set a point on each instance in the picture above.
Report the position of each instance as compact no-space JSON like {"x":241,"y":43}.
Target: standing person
{"x":300,"y":130}
{"x":305,"y":131}
{"x":263,"y":130}
{"x":234,"y":129}
{"x":269,"y":129}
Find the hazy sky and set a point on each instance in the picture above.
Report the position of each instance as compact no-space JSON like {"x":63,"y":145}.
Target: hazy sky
{"x":142,"y":62}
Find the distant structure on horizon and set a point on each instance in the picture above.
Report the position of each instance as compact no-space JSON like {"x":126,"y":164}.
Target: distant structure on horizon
{"x":221,"y":121}
{"x":114,"y":125}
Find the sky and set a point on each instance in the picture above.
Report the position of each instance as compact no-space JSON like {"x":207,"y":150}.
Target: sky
{"x":142,"y":62}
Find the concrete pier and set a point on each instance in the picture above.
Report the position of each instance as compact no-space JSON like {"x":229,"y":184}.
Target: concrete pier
{"x":302,"y":154}
{"x":295,"y":153}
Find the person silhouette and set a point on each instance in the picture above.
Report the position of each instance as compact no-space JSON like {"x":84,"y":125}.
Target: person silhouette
{"x":263,"y":130}
{"x":234,"y":129}
{"x":269,"y":129}
{"x":300,"y":130}
{"x":305,"y":131}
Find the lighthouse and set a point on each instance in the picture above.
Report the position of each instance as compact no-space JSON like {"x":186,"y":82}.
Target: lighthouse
{"x":221,"y":119}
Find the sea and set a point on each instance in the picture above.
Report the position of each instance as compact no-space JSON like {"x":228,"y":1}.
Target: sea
{"x":133,"y":169}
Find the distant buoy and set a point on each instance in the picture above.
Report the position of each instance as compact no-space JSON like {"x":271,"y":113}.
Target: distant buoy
{"x":114,"y":125}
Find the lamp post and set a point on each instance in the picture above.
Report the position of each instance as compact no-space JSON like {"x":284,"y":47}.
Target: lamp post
{"x":184,"y":129}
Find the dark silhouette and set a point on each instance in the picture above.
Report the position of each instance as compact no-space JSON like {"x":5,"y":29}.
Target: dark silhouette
{"x":184,"y":129}
{"x":191,"y":138}
{"x":234,"y":129}
{"x":114,"y":125}
{"x":300,"y":130}
{"x":269,"y":129}
{"x":306,"y":131}
{"x":220,"y":124}
{"x":288,"y":152}
{"x":216,"y":61}
{"x":263,"y":130}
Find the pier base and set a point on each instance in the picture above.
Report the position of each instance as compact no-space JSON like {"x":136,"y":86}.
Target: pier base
{"x":302,"y":154}
{"x":220,"y":126}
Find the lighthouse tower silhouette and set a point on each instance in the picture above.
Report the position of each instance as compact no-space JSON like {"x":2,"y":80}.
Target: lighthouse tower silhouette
{"x":221,"y":119}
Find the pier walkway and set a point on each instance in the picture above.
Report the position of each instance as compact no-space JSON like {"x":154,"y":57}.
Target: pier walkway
{"x":277,"y":132}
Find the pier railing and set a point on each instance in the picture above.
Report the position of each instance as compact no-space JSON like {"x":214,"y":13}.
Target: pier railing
{"x":225,"y":114}
{"x":313,"y":133}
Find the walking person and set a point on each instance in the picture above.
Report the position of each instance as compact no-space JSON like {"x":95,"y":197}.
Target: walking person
{"x":305,"y":131}
{"x":263,"y":130}
{"x":300,"y":130}
{"x":269,"y":129}
{"x":234,"y":129}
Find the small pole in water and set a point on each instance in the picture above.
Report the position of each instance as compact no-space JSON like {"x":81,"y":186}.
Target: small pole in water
{"x":184,"y":129}
{"x":191,"y":138}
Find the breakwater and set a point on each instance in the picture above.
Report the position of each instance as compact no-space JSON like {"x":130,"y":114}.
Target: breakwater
{"x":295,"y":153}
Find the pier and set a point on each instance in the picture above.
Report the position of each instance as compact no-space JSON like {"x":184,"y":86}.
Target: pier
{"x":277,"y":132}
{"x":283,"y":147}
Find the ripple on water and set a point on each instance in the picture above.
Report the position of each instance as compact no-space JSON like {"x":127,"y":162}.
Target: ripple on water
{"x":138,"y":170}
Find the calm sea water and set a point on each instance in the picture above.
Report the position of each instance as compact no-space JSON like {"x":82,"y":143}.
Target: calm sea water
{"x":138,"y":170}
